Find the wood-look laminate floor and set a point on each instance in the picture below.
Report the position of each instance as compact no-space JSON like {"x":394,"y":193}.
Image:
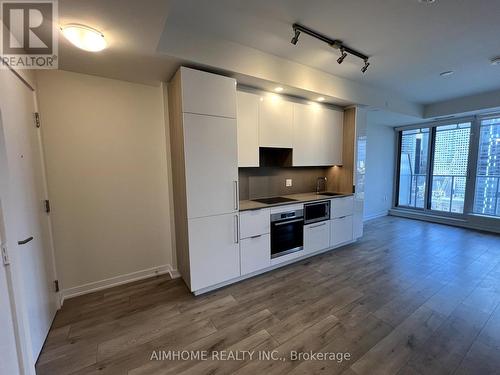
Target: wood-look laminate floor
{"x":409,"y":298}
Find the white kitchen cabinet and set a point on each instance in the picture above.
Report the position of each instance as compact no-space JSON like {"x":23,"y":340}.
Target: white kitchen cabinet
{"x":203,"y":141}
{"x":248,"y":129}
{"x":333,"y":135}
{"x":341,"y":230}
{"x":208,"y":94}
{"x":275,"y":122}
{"x":255,"y":222}
{"x":316,"y":236}
{"x":214,"y":253}
{"x":211,"y":165}
{"x":317,"y":135}
{"x":255,"y":253}
{"x":340,"y":207}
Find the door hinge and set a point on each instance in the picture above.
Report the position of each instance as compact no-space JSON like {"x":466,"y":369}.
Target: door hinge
{"x":56,"y":285}
{"x":37,"y":119}
{"x":47,"y":206}
{"x":5,"y":256}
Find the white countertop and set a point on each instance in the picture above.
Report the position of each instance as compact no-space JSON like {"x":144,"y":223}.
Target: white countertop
{"x":246,"y":205}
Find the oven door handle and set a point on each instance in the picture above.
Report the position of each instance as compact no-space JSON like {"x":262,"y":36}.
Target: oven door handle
{"x":288,"y":222}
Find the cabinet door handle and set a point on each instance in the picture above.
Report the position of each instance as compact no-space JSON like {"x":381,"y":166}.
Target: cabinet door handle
{"x":318,"y":225}
{"x":236,"y":202}
{"x":236,"y":229}
{"x":257,"y":236}
{"x":288,"y":222}
{"x":24,"y":242}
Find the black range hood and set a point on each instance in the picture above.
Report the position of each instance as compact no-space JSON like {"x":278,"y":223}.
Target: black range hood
{"x":275,"y":157}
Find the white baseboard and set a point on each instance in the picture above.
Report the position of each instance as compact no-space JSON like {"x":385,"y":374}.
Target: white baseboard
{"x":117,"y":280}
{"x":376,"y":215}
{"x":174,"y":274}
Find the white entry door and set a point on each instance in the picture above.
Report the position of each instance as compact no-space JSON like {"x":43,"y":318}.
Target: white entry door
{"x":9,"y":360}
{"x":26,"y":223}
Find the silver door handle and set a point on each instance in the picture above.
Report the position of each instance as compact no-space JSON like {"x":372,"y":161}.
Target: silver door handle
{"x":236,"y":202}
{"x":236,"y":229}
{"x":289,"y":222}
{"x":317,"y":225}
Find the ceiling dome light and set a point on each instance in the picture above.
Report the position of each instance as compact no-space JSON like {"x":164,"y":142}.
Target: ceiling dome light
{"x":84,"y":37}
{"x":321,"y":99}
{"x":278,"y":89}
{"x":447,"y":73}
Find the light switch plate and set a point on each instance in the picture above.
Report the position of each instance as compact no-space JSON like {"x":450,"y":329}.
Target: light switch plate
{"x":288,"y":182}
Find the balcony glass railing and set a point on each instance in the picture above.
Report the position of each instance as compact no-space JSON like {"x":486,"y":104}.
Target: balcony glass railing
{"x":487,"y":195}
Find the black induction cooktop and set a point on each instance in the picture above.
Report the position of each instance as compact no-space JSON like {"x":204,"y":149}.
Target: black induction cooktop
{"x":274,"y":200}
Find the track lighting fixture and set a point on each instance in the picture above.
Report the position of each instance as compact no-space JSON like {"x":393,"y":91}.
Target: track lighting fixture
{"x":334,"y":43}
{"x":340,"y":60}
{"x":295,"y":38}
{"x":364,"y":68}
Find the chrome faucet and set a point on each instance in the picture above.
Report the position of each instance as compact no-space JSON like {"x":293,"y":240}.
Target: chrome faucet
{"x":318,"y":184}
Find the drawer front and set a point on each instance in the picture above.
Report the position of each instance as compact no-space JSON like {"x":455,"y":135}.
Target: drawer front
{"x":316,"y":236}
{"x":341,"y":230}
{"x":342,"y":207}
{"x":254,"y":223}
{"x":255,"y":253}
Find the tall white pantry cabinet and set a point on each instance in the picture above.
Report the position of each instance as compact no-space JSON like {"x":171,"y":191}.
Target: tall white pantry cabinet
{"x":203,"y":133}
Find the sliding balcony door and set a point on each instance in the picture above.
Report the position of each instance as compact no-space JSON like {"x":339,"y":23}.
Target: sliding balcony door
{"x":450,"y":159}
{"x":414,"y":152}
{"x":450,"y":170}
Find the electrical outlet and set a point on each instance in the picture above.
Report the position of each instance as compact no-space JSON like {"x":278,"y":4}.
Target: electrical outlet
{"x":288,"y":182}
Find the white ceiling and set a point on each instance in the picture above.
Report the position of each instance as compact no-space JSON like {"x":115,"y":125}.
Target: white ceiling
{"x":132,"y":30}
{"x":410,"y":43}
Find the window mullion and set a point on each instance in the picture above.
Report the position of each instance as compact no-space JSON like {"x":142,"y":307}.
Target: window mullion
{"x":430,"y":167}
{"x":472,"y":166}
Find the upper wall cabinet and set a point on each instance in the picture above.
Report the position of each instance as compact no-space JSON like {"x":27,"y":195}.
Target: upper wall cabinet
{"x":248,"y":129}
{"x":208,"y":94}
{"x":317,"y":135}
{"x":275,"y":122}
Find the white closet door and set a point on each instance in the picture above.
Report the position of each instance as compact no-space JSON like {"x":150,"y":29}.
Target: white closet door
{"x":211,"y":159}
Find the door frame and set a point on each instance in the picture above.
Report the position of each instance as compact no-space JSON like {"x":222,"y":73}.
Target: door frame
{"x":25,"y":356}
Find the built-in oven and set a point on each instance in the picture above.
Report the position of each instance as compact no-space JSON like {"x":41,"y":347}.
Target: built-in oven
{"x":287,"y":232}
{"x":316,"y":211}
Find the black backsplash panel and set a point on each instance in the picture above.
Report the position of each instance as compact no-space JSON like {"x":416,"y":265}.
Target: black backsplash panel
{"x":270,"y":181}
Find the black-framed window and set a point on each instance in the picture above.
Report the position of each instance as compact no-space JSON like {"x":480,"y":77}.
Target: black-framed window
{"x":487,"y":184}
{"x":413,"y":167}
{"x":434,"y":167}
{"x":450,"y":156}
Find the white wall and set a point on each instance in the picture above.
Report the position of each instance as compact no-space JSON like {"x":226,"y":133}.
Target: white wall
{"x":107,"y":169}
{"x":379,"y":170}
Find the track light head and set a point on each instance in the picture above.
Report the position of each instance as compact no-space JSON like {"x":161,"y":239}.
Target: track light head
{"x":342,"y":57}
{"x":295,"y":38}
{"x":364,"y":68}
